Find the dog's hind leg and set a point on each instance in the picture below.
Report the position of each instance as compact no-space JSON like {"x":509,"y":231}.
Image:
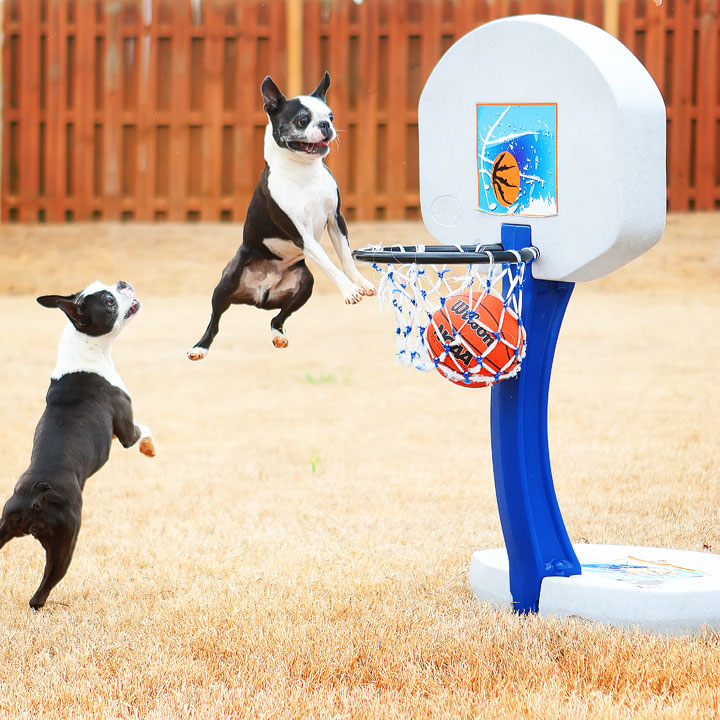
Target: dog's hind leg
{"x":303,"y":282}
{"x":59,"y":547}
{"x":221,"y":301}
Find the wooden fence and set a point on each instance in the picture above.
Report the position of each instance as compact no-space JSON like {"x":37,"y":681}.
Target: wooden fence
{"x":150,"y":109}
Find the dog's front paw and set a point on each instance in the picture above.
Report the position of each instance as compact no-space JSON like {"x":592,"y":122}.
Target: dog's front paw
{"x":353,"y":295}
{"x":147,"y":446}
{"x":197,"y":353}
{"x":279,"y":340}
{"x":367,"y":288}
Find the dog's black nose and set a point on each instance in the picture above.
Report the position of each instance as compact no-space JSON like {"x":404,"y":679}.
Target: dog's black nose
{"x":324,"y":125}
{"x":121,"y":285}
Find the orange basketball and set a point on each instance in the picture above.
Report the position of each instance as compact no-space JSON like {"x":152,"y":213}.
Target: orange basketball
{"x":463,"y":331}
{"x":505,"y":177}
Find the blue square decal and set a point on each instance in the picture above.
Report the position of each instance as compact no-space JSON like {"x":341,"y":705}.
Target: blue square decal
{"x":517,"y":159}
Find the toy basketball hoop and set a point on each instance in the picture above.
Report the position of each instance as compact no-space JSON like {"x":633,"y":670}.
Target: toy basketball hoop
{"x":562,"y":157}
{"x":425,"y":284}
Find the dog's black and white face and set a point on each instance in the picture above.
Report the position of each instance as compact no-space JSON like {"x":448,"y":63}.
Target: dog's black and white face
{"x":97,"y":310}
{"x":302,"y":125}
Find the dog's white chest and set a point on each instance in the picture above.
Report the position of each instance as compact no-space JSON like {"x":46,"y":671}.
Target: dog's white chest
{"x":81,"y":353}
{"x":306,"y":194}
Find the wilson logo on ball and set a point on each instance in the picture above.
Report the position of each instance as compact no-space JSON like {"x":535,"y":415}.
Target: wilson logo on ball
{"x":505,"y":178}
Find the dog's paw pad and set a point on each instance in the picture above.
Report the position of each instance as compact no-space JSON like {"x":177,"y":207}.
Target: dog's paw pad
{"x":197,"y":353}
{"x":147,"y":447}
{"x":280,"y":341}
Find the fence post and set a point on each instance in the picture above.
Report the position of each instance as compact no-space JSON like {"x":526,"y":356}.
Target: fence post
{"x":611,"y":17}
{"x":294,"y":32}
{"x":2,"y":96}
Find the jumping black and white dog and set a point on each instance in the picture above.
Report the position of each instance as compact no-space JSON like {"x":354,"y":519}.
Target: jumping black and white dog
{"x":87,"y":403}
{"x":295,"y":199}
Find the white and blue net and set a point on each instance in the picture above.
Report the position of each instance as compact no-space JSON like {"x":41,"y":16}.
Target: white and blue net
{"x":417,"y":291}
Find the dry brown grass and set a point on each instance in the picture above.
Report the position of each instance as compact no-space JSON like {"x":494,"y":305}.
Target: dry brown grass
{"x":300,"y":546}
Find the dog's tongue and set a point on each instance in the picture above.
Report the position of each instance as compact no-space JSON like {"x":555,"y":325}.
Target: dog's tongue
{"x":134,"y":307}
{"x":312,"y":146}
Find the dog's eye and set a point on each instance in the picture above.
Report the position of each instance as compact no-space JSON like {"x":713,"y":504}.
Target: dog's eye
{"x":110,"y":301}
{"x":302,"y":121}
{"x":332,"y":117}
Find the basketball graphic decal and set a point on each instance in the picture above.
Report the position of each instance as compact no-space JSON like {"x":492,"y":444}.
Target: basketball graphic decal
{"x":505,"y":178}
{"x":517,"y":159}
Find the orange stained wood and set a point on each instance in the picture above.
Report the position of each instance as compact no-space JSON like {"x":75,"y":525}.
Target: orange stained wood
{"x":138,"y":110}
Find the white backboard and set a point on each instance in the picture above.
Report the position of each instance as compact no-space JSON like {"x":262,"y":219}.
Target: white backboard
{"x":549,"y":122}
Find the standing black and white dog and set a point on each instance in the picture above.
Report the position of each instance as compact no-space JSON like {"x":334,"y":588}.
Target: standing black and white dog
{"x":295,"y":199}
{"x":87,"y":403}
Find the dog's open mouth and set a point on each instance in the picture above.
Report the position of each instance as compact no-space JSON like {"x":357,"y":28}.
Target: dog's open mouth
{"x":134,"y":307}
{"x":310,"y":148}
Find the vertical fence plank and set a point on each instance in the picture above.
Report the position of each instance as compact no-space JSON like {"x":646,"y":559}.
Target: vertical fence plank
{"x":212,"y":111}
{"x":29,"y":110}
{"x":52,"y":187}
{"x":179,"y":104}
{"x":708,"y":107}
{"x":159,"y":90}
{"x":294,"y":15}
{"x":339,"y":38}
{"x":83,"y":107}
{"x":611,"y":17}
{"x":246,"y":101}
{"x":312,"y":64}
{"x":260,"y":51}
{"x":396,"y":118}
{"x":680,"y":106}
{"x":147,"y":72}
{"x":57,"y":160}
{"x":368,"y":72}
{"x":8,"y":71}
{"x":112,"y":114}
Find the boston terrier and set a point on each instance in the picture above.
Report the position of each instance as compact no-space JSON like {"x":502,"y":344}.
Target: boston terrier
{"x":86,"y":405}
{"x":295,"y":199}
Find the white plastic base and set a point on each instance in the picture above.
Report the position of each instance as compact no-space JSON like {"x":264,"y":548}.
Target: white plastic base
{"x":675,"y":592}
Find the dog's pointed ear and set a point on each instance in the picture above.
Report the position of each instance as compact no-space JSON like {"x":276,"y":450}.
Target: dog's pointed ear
{"x":57,"y":301}
{"x":272,"y":96}
{"x":321,"y":90}
{"x":68,"y":304}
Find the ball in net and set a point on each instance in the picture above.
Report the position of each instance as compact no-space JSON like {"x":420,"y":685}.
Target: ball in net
{"x":474,"y":340}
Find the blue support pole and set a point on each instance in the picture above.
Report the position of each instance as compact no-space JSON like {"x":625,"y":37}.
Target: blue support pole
{"x":537,"y":542}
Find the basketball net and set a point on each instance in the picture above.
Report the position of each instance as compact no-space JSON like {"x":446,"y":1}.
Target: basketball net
{"x":416,"y":292}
